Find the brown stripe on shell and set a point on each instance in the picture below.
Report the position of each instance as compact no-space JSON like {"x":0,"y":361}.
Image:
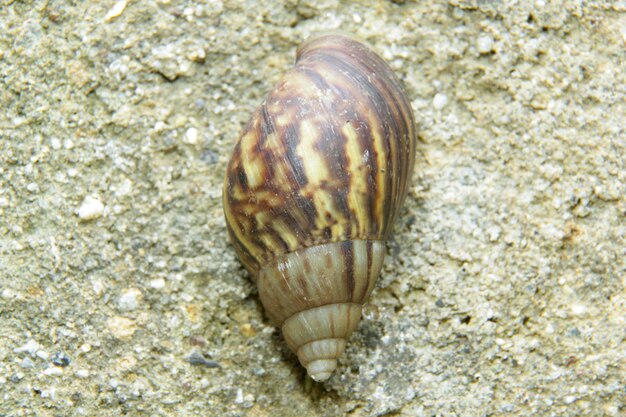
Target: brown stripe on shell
{"x":368,"y":248}
{"x":329,"y":145}
{"x":353,"y":115}
{"x":400,"y":112}
{"x":374,"y":99}
{"x":296,"y":212}
{"x":336,"y":81}
{"x":348,"y":261}
{"x":308,"y":278}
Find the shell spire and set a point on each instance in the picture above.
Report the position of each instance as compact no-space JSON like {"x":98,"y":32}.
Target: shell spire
{"x":312,"y":189}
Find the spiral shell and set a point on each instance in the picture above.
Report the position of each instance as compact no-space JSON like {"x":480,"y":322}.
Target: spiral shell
{"x":312,"y":190}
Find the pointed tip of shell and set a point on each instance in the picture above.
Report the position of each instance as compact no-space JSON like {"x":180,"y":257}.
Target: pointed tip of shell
{"x":319,"y":357}
{"x":320,"y":370}
{"x":318,"y":336}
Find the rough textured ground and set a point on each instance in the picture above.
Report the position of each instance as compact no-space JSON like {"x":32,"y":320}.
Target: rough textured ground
{"x":504,"y":289}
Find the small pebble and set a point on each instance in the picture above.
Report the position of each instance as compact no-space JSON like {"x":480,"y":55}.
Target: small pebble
{"x":248,"y":400}
{"x":209,"y":156}
{"x":82,"y":373}
{"x":125,"y":187}
{"x":157,"y":283}
{"x":121,"y":327}
{"x":439,"y":101}
{"x":239,"y":397}
{"x":16,"y":377}
{"x":53,"y":371}
{"x":42,"y":354}
{"x":197,"y":359}
{"x":55,"y":143}
{"x":27,"y":363}
{"x":50,"y":393}
{"x":129,"y":300}
{"x":90,"y":209}
{"x":31,"y":347}
{"x":60,"y":359}
{"x":569,"y":399}
{"x":33,"y":187}
{"x":191,"y":136}
{"x":484,"y":44}
{"x":7,"y":294}
{"x":247,"y":330}
{"x":116,"y":10}
{"x":578,"y":309}
{"x":258,"y":371}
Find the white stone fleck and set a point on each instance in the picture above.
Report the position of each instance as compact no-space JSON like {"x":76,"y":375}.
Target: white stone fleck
{"x":191,"y":136}
{"x":27,"y":363}
{"x":124,"y":188}
{"x":49,"y":393}
{"x":116,"y":10}
{"x":82,"y":373}
{"x":129,"y":300}
{"x":42,"y":354}
{"x":578,"y":309}
{"x":157,"y":283}
{"x":7,"y":294}
{"x":552,"y":232}
{"x":90,"y":209}
{"x":55,"y":143}
{"x":484,"y":44}
{"x":239,"y":397}
{"x":121,"y":327}
{"x":569,"y":399}
{"x":97,"y":286}
{"x":439,"y":101}
{"x":31,"y":347}
{"x":33,"y":187}
{"x":494,"y":233}
{"x":159,"y":126}
{"x":53,"y":371}
{"x":610,"y":409}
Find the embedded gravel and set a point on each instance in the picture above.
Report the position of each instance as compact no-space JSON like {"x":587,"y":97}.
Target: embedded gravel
{"x":504,"y":288}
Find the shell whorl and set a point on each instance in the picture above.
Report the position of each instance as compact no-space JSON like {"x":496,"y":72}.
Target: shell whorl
{"x":315,"y":295}
{"x":325,"y":158}
{"x":312,"y":189}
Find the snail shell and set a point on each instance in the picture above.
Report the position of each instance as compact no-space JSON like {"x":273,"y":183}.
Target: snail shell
{"x":312,"y":189}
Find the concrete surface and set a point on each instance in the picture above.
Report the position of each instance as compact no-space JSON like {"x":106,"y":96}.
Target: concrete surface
{"x":503,"y":293}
